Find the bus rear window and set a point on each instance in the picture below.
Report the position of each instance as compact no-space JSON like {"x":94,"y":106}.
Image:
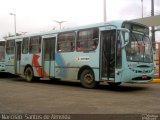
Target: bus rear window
{"x":87,"y":39}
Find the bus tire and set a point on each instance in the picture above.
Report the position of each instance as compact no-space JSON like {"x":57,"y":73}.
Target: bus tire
{"x":29,"y":75}
{"x":87,"y":79}
{"x":114,"y":84}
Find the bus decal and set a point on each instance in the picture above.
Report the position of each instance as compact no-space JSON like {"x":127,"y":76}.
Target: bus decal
{"x":83,"y":58}
{"x":60,"y":62}
{"x":36,"y":63}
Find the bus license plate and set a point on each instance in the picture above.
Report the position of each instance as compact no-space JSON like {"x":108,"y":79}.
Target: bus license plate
{"x":144,"y":77}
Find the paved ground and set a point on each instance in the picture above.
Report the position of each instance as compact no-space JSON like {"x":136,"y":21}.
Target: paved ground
{"x":18,"y":96}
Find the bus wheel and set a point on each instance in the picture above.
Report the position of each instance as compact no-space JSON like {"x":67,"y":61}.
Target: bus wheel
{"x":87,"y":79}
{"x":114,"y":84}
{"x":29,"y":74}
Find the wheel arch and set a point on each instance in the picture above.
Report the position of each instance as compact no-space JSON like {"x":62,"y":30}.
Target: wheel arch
{"x":84,"y":68}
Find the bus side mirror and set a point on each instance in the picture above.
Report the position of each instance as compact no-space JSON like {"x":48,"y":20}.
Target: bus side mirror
{"x":125,"y":36}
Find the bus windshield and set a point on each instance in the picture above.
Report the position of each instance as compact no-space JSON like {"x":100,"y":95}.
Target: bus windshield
{"x":139,"y":48}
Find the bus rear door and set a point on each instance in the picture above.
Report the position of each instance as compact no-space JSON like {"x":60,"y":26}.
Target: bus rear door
{"x":18,"y":57}
{"x":48,"y":59}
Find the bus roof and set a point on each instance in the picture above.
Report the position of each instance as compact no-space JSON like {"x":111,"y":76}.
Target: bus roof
{"x":117,"y":23}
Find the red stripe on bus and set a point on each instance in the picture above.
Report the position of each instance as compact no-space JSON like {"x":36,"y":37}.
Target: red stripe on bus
{"x":36,"y":63}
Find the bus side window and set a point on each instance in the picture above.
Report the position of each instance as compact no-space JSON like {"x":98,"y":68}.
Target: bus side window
{"x":25,"y":45}
{"x":79,"y":47}
{"x":10,"y":47}
{"x":66,"y":42}
{"x":2,"y":53}
{"x":87,"y":39}
{"x":94,"y":45}
{"x":35,"y":44}
{"x":1,"y":56}
{"x":58,"y":47}
{"x":72,"y":46}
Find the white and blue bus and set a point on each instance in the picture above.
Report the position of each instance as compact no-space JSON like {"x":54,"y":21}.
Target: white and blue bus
{"x":115,"y":52}
{"x":2,"y":56}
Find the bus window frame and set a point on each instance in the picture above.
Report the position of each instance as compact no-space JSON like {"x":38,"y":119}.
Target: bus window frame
{"x":92,"y":43}
{"x":24,"y":45}
{"x":8,"y":47}
{"x":2,"y":53}
{"x":32,"y":45}
{"x":72,"y":42}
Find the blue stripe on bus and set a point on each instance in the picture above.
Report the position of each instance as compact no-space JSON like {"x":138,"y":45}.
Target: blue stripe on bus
{"x":60,"y":62}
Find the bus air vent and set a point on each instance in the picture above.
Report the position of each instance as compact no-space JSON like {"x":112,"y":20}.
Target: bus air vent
{"x":143,"y":66}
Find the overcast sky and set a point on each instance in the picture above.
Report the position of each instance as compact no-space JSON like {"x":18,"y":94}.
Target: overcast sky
{"x":39,"y":15}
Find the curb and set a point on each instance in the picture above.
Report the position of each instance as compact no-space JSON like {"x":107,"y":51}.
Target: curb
{"x":155,"y":81}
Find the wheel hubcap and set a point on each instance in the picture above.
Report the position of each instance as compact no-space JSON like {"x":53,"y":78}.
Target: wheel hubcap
{"x":88,"y":78}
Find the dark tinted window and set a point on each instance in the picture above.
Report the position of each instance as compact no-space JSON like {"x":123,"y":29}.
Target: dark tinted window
{"x":10,"y":46}
{"x":87,"y":39}
{"x":66,"y":42}
{"x":25,"y":43}
{"x":35,"y":44}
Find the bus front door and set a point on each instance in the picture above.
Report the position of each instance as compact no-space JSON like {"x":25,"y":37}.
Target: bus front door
{"x":48,"y":62}
{"x":108,"y":39}
{"x":18,"y":57}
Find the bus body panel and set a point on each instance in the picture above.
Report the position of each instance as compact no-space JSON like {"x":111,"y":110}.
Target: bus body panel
{"x":68,"y":64}
{"x":134,"y":73}
{"x":48,"y":56}
{"x":10,"y":64}
{"x":34,"y":61}
{"x":27,"y":60}
{"x":37,"y":65}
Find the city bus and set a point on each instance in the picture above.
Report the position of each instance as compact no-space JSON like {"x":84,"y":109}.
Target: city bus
{"x":2,"y":56}
{"x":115,"y":52}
